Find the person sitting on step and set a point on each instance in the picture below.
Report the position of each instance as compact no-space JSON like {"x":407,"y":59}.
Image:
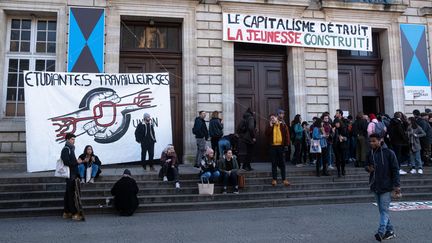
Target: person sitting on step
{"x":169,"y":170}
{"x":125,"y":193}
{"x":209,"y":170}
{"x":89,"y":160}
{"x":228,"y":167}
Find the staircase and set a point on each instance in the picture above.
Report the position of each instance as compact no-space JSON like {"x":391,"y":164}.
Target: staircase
{"x":38,"y":195}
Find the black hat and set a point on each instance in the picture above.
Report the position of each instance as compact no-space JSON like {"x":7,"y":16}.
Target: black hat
{"x":416,"y":112}
{"x":127,"y":172}
{"x":427,"y":110}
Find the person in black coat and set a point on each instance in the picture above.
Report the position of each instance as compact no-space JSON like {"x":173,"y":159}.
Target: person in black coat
{"x":69,"y":159}
{"x":398,"y":137}
{"x":145,"y":135}
{"x":426,"y":141}
{"x":125,"y":193}
{"x":340,"y":145}
{"x":216,"y":132}
{"x":201,"y":135}
{"x":248,"y":137}
{"x":384,"y":179}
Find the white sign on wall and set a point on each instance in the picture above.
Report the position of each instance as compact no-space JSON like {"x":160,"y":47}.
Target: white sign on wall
{"x":101,"y":109}
{"x":296,"y":32}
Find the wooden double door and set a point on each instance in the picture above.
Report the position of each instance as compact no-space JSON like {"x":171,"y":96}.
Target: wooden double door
{"x":261,"y":84}
{"x":132,"y":63}
{"x":360,"y":88}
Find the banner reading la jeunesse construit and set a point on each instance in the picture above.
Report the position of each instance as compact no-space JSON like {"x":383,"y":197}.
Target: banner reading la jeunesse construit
{"x":102,"y":109}
{"x":296,"y":32}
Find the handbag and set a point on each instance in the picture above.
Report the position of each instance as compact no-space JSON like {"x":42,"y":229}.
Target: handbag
{"x":62,"y":170}
{"x":205,"y":188}
{"x":241,"y":181}
{"x":88,"y":173}
{"x":315,"y":147}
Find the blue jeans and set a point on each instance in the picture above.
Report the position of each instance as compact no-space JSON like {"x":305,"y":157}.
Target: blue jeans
{"x":330,"y":154}
{"x":415,"y":160}
{"x":210,"y":176}
{"x":223,"y":146}
{"x":383,"y":200}
{"x":82,"y":168}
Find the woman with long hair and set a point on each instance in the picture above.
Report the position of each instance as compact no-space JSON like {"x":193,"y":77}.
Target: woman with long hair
{"x":297,"y":138}
{"x":89,"y":159}
{"x":320,"y":137}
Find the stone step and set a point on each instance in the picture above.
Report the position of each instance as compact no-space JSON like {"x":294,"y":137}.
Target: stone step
{"x":180,"y":197}
{"x":35,"y":178}
{"x":210,"y":205}
{"x":159,"y":184}
{"x":168,"y":189}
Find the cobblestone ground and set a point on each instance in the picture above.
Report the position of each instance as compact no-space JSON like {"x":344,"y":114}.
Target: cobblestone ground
{"x":322,"y":223}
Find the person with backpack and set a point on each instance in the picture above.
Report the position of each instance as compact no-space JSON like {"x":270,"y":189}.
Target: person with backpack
{"x":215,"y":132}
{"x":319,"y":147}
{"x":376,"y":126}
{"x":247,"y":133}
{"x":201,"y":135}
{"x":359,"y":131}
{"x":415,"y":133}
{"x":399,"y":138}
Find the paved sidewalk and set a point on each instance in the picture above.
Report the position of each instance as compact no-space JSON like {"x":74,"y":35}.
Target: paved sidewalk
{"x":322,"y":223}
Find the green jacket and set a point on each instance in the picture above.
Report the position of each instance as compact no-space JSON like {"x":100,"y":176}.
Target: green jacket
{"x":221,"y":164}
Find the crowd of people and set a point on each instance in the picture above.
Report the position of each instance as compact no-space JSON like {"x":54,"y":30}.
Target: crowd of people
{"x":325,"y":143}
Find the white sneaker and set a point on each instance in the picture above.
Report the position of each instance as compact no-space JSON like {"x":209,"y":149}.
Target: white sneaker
{"x":177,"y":185}
{"x":413,"y":171}
{"x":82,"y":181}
{"x":91,"y":180}
{"x":165,"y":178}
{"x":402,"y":172}
{"x":331,"y":167}
{"x":420,"y":171}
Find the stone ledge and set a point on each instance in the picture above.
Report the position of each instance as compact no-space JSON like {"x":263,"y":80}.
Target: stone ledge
{"x":396,"y":6}
{"x":425,"y":11}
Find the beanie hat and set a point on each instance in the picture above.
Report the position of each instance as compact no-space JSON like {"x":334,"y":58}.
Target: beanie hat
{"x":416,"y":112}
{"x":146,"y":115}
{"x":280,"y":111}
{"x":372,"y":116}
{"x":127,"y":172}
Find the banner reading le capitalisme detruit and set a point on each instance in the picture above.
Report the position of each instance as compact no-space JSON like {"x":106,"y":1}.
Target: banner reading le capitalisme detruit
{"x":296,"y":32}
{"x":102,"y":109}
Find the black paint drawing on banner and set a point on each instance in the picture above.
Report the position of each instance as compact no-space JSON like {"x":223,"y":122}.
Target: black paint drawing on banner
{"x":102,"y":114}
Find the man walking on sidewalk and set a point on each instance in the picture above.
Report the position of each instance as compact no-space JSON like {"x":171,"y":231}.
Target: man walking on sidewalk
{"x":383,"y":169}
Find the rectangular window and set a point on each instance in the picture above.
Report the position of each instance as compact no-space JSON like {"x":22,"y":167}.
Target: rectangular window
{"x":31,"y":45}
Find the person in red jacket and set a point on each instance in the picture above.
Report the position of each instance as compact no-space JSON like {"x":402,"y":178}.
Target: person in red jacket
{"x":278,"y":137}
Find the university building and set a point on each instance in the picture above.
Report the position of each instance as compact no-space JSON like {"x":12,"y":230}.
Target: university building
{"x":211,"y":72}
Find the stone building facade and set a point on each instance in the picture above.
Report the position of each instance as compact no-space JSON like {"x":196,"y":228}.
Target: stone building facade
{"x":209,"y":64}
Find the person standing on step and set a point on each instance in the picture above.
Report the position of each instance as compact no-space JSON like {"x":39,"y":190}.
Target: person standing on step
{"x":247,"y":132}
{"x":328,"y":129}
{"x":287,"y":149}
{"x":145,"y":135}
{"x":297,"y":139}
{"x":415,"y":134}
{"x":340,"y":145}
{"x":216,"y":132}
{"x":228,"y":167}
{"x":169,"y":166}
{"x":398,"y":137}
{"x":320,"y":136}
{"x":359,"y":131}
{"x":201,"y":136}
{"x":383,"y":169}
{"x":89,"y":159}
{"x":125,"y":193}
{"x":278,"y":137}
{"x":426,"y":141}
{"x":69,"y":159}
{"x":306,"y":142}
